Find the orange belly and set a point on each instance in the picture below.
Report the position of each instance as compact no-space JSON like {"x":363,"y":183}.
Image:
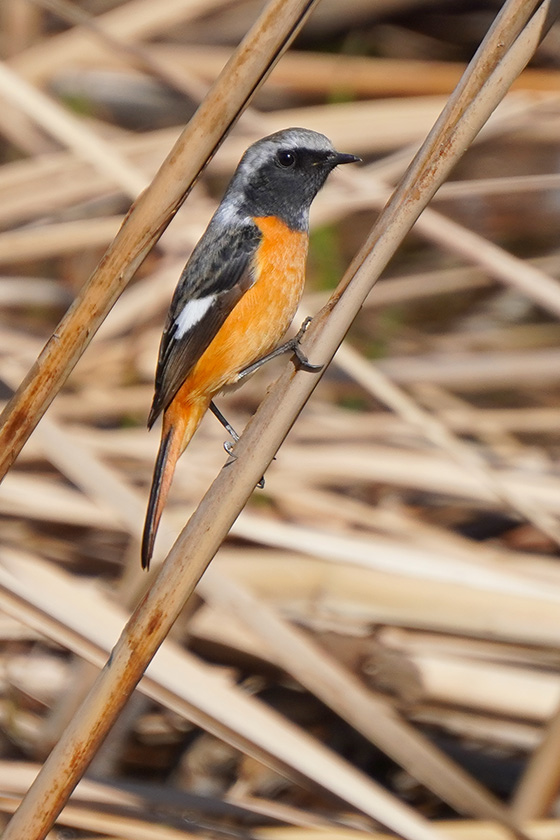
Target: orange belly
{"x":262,"y":316}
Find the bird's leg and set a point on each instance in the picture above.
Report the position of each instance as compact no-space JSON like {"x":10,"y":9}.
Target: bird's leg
{"x":231,"y":431}
{"x":227,"y":426}
{"x":291,"y":346}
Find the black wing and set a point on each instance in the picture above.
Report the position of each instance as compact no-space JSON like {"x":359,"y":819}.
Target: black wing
{"x":219,"y":270}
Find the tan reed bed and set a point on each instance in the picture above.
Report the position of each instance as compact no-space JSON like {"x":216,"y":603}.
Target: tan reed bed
{"x":347,"y":575}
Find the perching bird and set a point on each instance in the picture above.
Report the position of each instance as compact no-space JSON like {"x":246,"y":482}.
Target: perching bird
{"x":238,"y":293}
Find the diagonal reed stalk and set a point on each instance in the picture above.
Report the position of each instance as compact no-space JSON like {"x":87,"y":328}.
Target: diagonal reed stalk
{"x":503,"y":54}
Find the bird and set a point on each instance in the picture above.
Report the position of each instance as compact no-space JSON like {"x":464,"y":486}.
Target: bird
{"x":237,"y":294}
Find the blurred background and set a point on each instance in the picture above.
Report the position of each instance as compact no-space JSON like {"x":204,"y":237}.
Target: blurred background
{"x":407,"y":535}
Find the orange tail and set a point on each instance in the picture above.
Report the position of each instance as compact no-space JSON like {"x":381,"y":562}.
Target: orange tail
{"x":180,"y":422}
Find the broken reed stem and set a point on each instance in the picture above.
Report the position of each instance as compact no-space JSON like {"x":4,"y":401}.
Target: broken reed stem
{"x":148,"y":218}
{"x":484,"y":85}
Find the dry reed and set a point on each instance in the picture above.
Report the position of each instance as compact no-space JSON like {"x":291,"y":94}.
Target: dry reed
{"x":351,"y":572}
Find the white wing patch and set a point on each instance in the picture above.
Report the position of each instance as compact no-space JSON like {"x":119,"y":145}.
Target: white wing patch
{"x":193,"y":312}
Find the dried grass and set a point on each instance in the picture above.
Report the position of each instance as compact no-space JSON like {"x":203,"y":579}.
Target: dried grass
{"x":353,"y":575}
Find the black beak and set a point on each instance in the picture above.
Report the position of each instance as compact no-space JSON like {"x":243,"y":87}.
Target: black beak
{"x":338,"y":158}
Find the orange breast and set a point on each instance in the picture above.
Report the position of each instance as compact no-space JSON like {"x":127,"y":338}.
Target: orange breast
{"x":264,"y":313}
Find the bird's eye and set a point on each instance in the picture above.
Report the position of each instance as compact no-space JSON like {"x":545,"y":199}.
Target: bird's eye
{"x":286,"y":159}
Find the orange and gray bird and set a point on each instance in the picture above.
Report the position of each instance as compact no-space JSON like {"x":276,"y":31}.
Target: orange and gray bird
{"x":238,"y":293}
